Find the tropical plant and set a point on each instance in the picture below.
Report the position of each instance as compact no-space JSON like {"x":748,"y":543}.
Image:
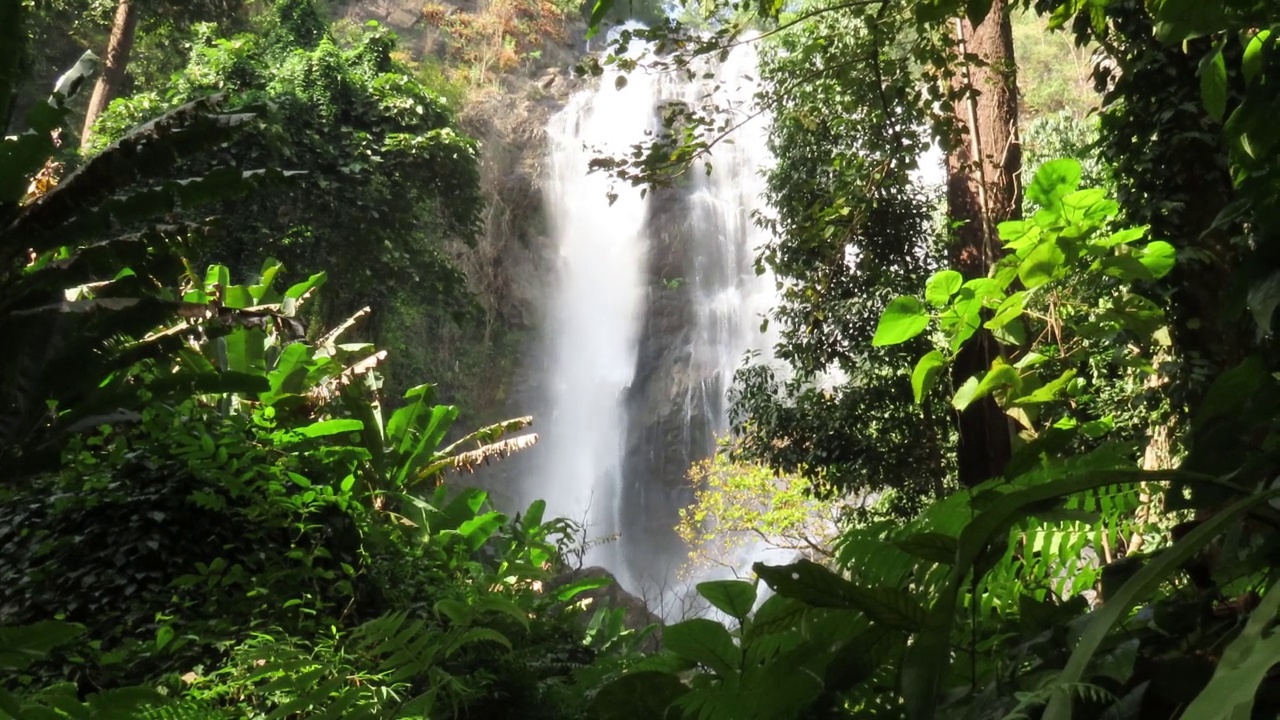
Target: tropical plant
{"x":389,"y":177}
{"x":86,"y":263}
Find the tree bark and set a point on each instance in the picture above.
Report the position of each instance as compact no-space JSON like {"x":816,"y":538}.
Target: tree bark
{"x":12,"y":43}
{"x":983,"y":190}
{"x":123,"y":29}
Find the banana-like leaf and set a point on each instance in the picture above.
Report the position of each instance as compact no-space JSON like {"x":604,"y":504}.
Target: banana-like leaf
{"x":490,"y":433}
{"x":483,"y":455}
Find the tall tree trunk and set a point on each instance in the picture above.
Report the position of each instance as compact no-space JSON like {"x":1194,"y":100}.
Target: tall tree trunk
{"x":12,"y":43}
{"x":983,"y":190}
{"x":114,"y":65}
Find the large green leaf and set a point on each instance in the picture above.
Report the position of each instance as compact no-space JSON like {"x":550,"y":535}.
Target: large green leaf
{"x":1000,"y":375}
{"x":333,"y":426}
{"x":1156,"y":572}
{"x":1213,"y":83}
{"x":927,"y":660}
{"x":732,"y":597}
{"x":931,"y":546}
{"x":1243,"y":667}
{"x":706,"y":642}
{"x":925,"y":374}
{"x":24,"y":644}
{"x":815,"y":585}
{"x":1179,"y":20}
{"x":1159,"y":257}
{"x":647,"y":695}
{"x":577,"y":587}
{"x":1255,"y":53}
{"x":903,"y":319}
{"x":1042,"y":264}
{"x":1053,"y":181}
{"x":939,"y":288}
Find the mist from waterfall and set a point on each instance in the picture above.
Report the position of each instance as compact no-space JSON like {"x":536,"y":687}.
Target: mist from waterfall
{"x":598,"y":305}
{"x":596,"y":463}
{"x":730,"y":299}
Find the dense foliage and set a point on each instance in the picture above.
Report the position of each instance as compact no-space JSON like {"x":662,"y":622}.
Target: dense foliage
{"x":388,"y":176}
{"x":211,"y":507}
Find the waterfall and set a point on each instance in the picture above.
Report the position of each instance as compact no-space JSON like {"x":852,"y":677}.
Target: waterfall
{"x":655,"y":302}
{"x":597,"y":309}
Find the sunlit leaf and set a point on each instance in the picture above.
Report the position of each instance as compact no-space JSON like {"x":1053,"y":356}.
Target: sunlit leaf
{"x":926,"y":373}
{"x":903,"y":319}
{"x":939,"y":288}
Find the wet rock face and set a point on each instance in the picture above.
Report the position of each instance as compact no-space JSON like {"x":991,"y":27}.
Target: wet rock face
{"x":669,"y":428}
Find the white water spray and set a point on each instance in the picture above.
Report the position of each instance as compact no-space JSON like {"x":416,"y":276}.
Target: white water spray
{"x":598,"y":303}
{"x":604,"y":295}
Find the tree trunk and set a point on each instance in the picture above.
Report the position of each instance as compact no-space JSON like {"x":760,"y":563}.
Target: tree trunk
{"x":12,"y":43}
{"x":983,"y":190}
{"x":114,"y":65}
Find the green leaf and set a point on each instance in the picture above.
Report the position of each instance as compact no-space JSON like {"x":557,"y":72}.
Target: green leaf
{"x":931,"y":546}
{"x":1254,"y":56}
{"x":1213,"y":83}
{"x":977,"y":10}
{"x":478,"y":530}
{"x":735,"y":598}
{"x":1243,"y":667}
{"x":706,"y":642}
{"x":458,"y":612}
{"x":598,"y":11}
{"x":646,"y":695}
{"x":903,"y":319}
{"x":532,"y":517}
{"x":815,"y":585}
{"x":577,"y":587}
{"x":1048,"y":392}
{"x":125,"y":702}
{"x":1088,"y":207}
{"x":504,"y":606}
{"x":1042,"y":264}
{"x":1264,"y":296}
{"x":939,"y":288}
{"x":164,"y":635}
{"x":1054,"y":181}
{"x":926,"y":373}
{"x":1017,"y":234}
{"x":23,"y":644}
{"x":482,"y":634}
{"x":1122,"y":237}
{"x":1159,"y":257}
{"x":1179,"y":20}
{"x":965,"y":394}
{"x":1157,"y":571}
{"x":330,"y":427}
{"x":1010,"y":309}
{"x":296,"y":291}
{"x":927,"y":660}
{"x":1000,"y":375}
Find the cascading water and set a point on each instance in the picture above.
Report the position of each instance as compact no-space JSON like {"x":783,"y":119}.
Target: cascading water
{"x":656,"y":301}
{"x":598,"y":305}
{"x":729,"y":298}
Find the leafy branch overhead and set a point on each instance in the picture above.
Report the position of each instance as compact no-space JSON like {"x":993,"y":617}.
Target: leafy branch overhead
{"x":1029,"y":302}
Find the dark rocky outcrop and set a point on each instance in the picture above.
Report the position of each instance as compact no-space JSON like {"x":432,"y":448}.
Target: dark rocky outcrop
{"x":636,"y":614}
